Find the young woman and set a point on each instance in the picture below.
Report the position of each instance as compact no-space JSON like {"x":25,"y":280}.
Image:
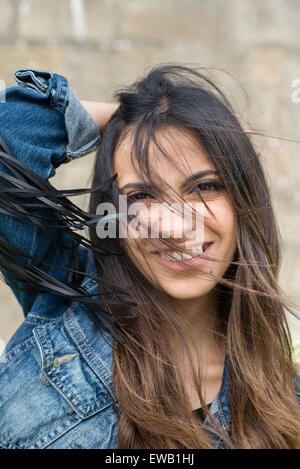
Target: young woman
{"x":159,"y":337}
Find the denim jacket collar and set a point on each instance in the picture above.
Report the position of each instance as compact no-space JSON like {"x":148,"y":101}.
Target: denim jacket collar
{"x":86,"y":353}
{"x":220,"y":407}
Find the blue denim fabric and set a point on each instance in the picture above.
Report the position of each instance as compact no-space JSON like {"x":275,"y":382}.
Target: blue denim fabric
{"x":56,"y":384}
{"x":43,"y":125}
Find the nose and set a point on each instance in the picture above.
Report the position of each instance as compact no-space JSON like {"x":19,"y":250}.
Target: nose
{"x":179,"y":222}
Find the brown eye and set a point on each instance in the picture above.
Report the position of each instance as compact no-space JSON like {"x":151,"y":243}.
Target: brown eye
{"x":142,"y":197}
{"x":209,"y":186}
{"x":138,"y":196}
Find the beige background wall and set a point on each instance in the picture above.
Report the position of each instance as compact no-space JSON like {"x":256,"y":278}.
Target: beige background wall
{"x":100,"y":45}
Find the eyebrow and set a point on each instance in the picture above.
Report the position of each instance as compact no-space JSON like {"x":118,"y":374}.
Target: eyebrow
{"x":135,"y":185}
{"x":187,"y":182}
{"x":198,"y":175}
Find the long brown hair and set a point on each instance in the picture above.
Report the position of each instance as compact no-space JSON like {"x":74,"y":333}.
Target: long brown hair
{"x":251,"y":318}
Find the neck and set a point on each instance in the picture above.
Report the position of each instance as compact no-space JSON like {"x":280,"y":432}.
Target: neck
{"x":198,"y":317}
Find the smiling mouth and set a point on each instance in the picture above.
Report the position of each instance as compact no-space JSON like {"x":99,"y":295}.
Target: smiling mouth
{"x":176,"y":256}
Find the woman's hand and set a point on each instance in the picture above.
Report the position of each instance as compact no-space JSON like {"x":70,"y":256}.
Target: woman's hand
{"x":100,"y":112}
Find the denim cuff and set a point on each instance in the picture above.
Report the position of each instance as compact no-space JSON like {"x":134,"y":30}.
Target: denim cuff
{"x":82,"y":131}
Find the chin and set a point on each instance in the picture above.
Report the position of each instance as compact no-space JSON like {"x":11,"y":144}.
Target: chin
{"x":183,"y":291}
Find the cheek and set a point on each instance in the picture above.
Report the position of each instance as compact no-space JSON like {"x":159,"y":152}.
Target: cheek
{"x":135,"y":251}
{"x":226,"y":222}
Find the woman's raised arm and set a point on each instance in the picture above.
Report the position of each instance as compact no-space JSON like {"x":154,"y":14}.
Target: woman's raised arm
{"x":100,"y":112}
{"x":42,"y":125}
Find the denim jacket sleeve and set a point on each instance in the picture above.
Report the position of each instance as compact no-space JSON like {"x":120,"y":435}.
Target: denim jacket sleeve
{"x":42,"y":125}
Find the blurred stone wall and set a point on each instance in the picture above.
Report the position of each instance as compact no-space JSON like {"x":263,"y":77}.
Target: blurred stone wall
{"x":101,"y":45}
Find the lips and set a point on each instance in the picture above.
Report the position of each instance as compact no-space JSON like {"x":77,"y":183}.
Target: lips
{"x":175,"y":262}
{"x":174,"y":256}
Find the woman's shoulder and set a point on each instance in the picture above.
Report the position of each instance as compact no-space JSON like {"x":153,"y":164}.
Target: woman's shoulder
{"x":56,"y":382}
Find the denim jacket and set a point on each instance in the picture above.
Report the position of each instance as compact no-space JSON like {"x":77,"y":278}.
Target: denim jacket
{"x":56,"y":384}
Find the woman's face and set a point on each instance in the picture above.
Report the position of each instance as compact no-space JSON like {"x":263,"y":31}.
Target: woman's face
{"x":219,"y":230}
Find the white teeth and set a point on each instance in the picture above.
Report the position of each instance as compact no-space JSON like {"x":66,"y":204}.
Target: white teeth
{"x":170,"y":258}
{"x":186,"y":256}
{"x":178,"y":256}
{"x":198,"y":250}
